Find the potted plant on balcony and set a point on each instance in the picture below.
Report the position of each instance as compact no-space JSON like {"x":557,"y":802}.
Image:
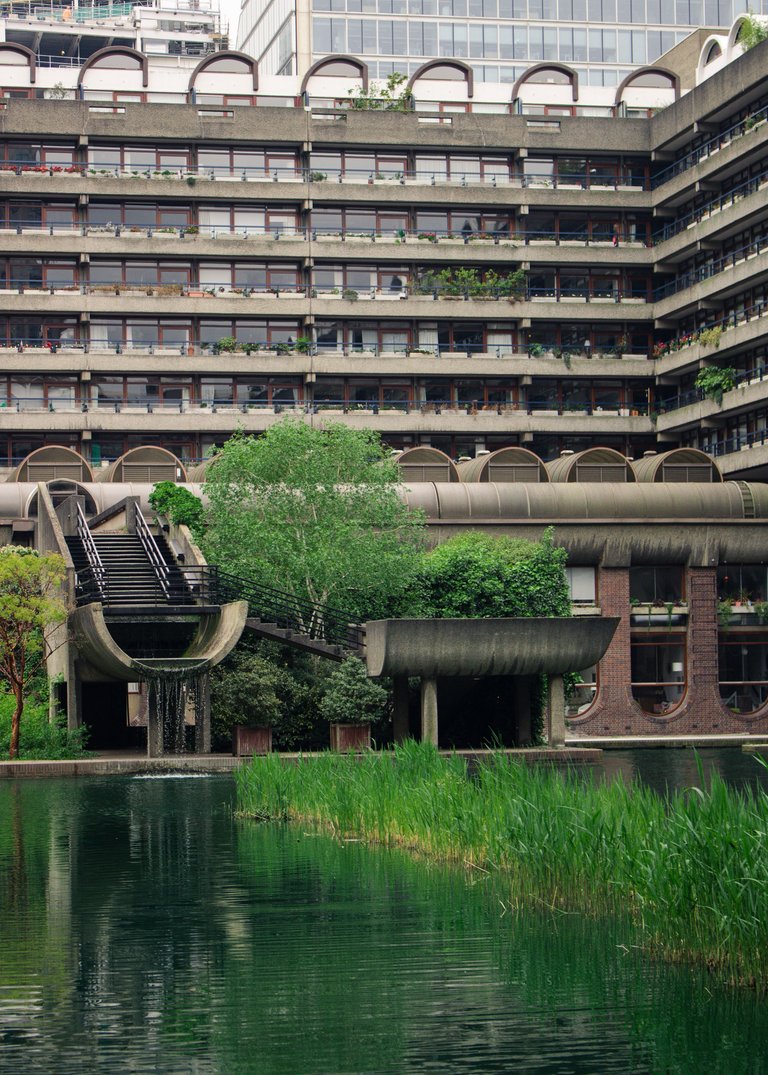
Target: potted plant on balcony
{"x":350,"y":703}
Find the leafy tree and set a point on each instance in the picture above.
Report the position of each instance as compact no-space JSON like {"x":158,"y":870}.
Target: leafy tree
{"x":752,"y":31}
{"x":316,"y":513}
{"x":351,"y":697}
{"x":476,"y":575}
{"x":389,"y":96}
{"x":29,"y":603}
{"x":180,"y":505}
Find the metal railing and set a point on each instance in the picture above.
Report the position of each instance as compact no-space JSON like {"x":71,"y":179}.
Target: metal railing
{"x":95,"y":564}
{"x":712,"y":268}
{"x":152,"y":550}
{"x":712,"y":145}
{"x":318,"y":621}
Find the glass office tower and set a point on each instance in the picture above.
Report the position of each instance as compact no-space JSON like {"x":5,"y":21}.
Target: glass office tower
{"x":602,"y":39}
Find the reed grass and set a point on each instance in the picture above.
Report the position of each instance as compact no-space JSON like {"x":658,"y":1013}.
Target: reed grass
{"x":691,"y":868}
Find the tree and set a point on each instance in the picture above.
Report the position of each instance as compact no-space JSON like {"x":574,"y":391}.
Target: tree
{"x":476,"y":575}
{"x":316,"y":513}
{"x":182,"y":507}
{"x":29,"y":603}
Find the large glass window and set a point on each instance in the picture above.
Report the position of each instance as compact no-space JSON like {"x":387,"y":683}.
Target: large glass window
{"x":742,"y":582}
{"x":656,"y":585}
{"x":743,"y":670}
{"x":658,"y":671}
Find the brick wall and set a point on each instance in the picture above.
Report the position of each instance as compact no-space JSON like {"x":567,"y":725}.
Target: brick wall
{"x":616,"y":713}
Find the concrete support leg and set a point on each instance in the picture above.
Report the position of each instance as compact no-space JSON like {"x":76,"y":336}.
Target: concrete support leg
{"x":556,"y":712}
{"x":400,"y":727}
{"x":154,"y":727}
{"x":521,"y":700}
{"x":429,"y":711}
{"x":203,"y":715}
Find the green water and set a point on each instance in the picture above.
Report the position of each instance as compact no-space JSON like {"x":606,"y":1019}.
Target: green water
{"x":144,"y":929}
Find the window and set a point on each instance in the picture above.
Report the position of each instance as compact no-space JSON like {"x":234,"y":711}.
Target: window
{"x":662,"y":585}
{"x":658,"y":672}
{"x":743,"y":671}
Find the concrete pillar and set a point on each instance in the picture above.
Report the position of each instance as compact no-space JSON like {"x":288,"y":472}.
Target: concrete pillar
{"x":154,"y":727}
{"x":203,"y":715}
{"x":556,"y":712}
{"x":400,"y":726}
{"x":429,"y":711}
{"x":521,"y":701}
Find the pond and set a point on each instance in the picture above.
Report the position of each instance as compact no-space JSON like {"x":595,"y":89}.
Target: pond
{"x":144,"y":929}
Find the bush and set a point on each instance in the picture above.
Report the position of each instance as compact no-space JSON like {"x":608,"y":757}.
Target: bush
{"x":476,"y":576}
{"x":182,"y":507}
{"x":41,"y":739}
{"x":352,"y":698}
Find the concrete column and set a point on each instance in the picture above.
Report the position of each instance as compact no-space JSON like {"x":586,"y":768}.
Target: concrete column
{"x":429,"y":711}
{"x":154,"y":727}
{"x":400,"y":727}
{"x":556,"y":712}
{"x":521,"y":700}
{"x":203,"y":715}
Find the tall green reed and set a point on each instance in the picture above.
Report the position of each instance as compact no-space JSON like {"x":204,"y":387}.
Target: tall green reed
{"x":692,"y":868}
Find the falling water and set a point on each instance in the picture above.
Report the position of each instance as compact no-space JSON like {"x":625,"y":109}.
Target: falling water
{"x":170,"y":691}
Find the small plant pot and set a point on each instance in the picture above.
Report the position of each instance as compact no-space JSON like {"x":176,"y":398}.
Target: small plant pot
{"x":246,"y":741}
{"x":356,"y":737}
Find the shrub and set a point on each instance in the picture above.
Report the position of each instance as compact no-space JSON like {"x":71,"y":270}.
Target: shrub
{"x":182,"y":507}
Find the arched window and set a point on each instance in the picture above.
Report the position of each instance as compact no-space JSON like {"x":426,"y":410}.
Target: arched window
{"x":337,"y":67}
{"x":447,"y":71}
{"x":713,"y":52}
{"x":227,"y":63}
{"x":117,"y":57}
{"x":553,"y":74}
{"x":649,"y":78}
{"x":12,"y":55}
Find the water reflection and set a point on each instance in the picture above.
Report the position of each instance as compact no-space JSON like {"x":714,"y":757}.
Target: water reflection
{"x":142,"y":929}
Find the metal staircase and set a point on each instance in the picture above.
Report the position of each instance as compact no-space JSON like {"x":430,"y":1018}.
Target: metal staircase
{"x":126,"y":571}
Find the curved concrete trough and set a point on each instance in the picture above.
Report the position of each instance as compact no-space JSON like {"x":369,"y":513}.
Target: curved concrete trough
{"x":517,"y":646}
{"x":216,"y":635}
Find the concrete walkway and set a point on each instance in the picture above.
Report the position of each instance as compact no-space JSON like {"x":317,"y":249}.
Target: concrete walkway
{"x":628,"y":742}
{"x":125,"y":763}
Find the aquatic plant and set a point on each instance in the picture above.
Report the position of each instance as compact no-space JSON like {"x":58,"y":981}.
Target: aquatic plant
{"x":691,"y":868}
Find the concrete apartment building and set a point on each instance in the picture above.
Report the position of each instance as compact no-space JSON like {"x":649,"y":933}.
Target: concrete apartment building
{"x":192,"y":246}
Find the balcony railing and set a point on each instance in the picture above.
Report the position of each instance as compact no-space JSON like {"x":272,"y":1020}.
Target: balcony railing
{"x":702,"y":152}
{"x":712,"y":268}
{"x":132,"y":405}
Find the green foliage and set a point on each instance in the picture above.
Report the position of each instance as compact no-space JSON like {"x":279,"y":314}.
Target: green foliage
{"x":710,"y":337}
{"x":316,"y":513}
{"x":42,"y":739}
{"x":463,"y":281}
{"x":351,"y":697}
{"x":714,"y":381}
{"x":182,"y":507}
{"x":29,"y":603}
{"x":751,"y":32}
{"x":264,"y":682}
{"x":691,"y":869}
{"x":476,"y":575}
{"x":389,"y":96}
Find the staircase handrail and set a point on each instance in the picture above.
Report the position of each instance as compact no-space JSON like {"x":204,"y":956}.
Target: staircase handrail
{"x":318,"y":621}
{"x":152,"y":549}
{"x":95,"y":562}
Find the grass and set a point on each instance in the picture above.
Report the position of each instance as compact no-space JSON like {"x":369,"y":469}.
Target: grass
{"x":691,"y":869}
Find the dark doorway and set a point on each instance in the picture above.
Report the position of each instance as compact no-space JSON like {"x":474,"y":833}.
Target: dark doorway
{"x":104,"y":712}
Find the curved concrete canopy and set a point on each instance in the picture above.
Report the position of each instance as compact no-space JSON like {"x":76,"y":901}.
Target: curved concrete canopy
{"x":216,"y":635}
{"x":504,"y":465}
{"x":597,"y":501}
{"x":677,"y":465}
{"x":493,"y":647}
